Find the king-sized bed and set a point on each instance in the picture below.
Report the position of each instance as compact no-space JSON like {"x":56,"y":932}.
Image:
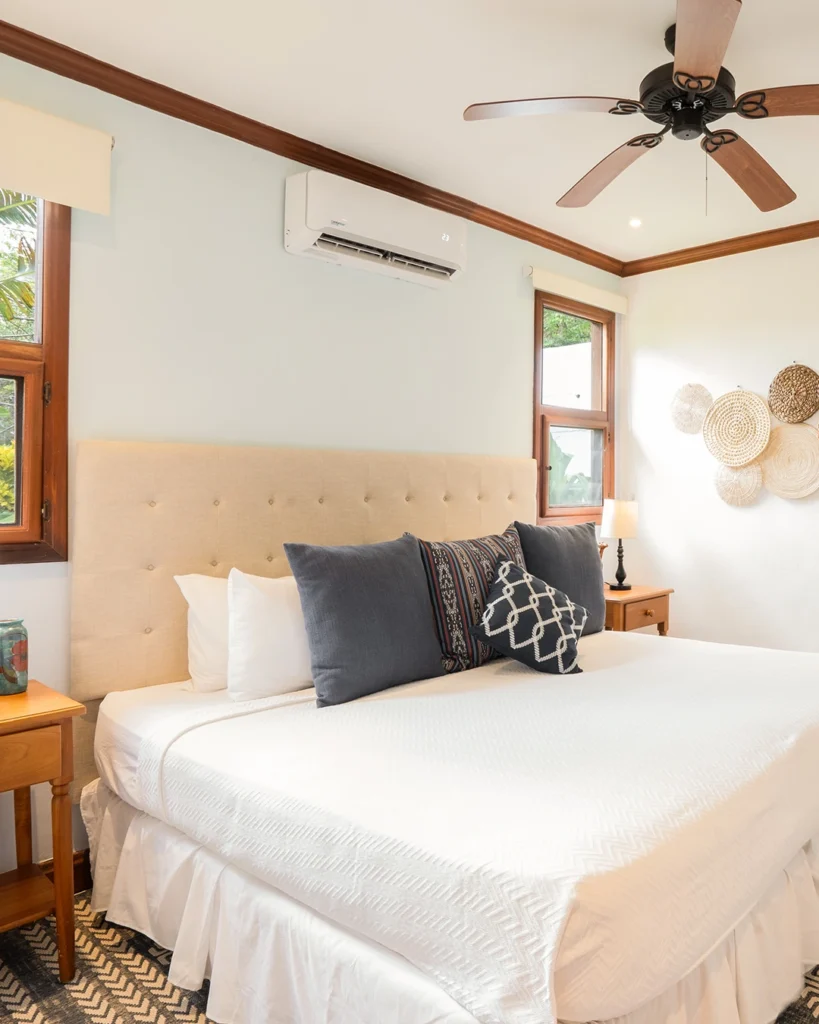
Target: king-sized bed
{"x":630,"y":844}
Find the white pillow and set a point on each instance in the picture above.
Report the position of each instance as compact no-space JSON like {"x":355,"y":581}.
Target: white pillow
{"x":267,"y":638}
{"x":207,"y":598}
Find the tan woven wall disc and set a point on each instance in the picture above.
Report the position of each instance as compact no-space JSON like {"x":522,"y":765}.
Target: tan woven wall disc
{"x":689,"y":406}
{"x":790,"y":468}
{"x":740,"y":486}
{"x":794,"y":394}
{"x":737,"y":428}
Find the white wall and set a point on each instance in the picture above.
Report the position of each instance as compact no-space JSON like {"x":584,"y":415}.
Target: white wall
{"x":742,"y":575}
{"x":189,"y":322}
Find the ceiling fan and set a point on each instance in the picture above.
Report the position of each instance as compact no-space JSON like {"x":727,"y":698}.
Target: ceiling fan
{"x":685,"y":97}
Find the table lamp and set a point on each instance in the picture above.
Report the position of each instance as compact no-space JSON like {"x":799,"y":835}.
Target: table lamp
{"x":619,"y":522}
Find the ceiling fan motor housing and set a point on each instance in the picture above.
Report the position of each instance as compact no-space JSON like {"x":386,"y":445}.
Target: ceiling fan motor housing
{"x":687,"y":114}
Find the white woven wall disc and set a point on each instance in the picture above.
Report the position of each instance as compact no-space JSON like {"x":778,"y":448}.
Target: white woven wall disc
{"x":689,"y":407}
{"x":739,"y":486}
{"x":790,"y":468}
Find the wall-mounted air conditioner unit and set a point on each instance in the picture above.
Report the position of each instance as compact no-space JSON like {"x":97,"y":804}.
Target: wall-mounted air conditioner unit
{"x":340,"y":221}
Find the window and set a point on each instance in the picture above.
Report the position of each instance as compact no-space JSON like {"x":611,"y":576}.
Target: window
{"x":574,"y":409}
{"x":34,"y":279}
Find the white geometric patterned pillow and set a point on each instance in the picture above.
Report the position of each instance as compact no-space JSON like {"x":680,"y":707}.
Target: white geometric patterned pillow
{"x":530,"y":621}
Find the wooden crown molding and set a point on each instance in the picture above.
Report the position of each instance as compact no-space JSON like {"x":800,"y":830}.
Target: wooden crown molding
{"x":727,"y":247}
{"x":62,"y":60}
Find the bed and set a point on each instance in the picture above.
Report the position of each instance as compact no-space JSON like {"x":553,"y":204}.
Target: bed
{"x":635,"y":844}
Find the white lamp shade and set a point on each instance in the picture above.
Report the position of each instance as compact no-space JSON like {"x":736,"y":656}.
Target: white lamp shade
{"x":619,"y":519}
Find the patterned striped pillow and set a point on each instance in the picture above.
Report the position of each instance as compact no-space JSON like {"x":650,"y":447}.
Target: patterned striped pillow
{"x":460,"y":574}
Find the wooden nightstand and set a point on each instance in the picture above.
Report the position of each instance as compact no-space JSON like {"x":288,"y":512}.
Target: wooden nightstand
{"x":640,"y":606}
{"x":36,"y":746}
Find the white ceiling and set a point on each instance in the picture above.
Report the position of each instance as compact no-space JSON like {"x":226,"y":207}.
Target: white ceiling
{"x":387,"y":81}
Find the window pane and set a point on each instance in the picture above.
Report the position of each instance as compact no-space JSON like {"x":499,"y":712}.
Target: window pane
{"x":576,"y":460}
{"x":19,"y":221}
{"x":10,"y":406}
{"x":572,"y":361}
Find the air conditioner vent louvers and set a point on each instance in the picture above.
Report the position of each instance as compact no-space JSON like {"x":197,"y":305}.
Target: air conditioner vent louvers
{"x":352,"y":225}
{"x":332,"y":243}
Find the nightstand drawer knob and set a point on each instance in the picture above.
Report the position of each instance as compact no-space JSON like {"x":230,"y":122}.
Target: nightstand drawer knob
{"x":649,"y":612}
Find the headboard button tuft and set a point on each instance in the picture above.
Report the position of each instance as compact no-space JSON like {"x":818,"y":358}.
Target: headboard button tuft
{"x":214,"y":562}
{"x":270,"y":558}
{"x":150,"y":568}
{"x":216,"y":502}
{"x":269,"y":501}
{"x":152,"y":504}
{"x":148,"y":629}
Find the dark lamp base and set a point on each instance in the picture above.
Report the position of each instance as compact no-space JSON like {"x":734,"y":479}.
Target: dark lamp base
{"x":620,"y":575}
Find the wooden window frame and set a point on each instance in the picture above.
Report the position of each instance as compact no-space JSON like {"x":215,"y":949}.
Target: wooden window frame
{"x":42,"y":535}
{"x":603,"y":343}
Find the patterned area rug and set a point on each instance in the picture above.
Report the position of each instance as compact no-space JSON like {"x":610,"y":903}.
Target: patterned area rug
{"x":122,"y":978}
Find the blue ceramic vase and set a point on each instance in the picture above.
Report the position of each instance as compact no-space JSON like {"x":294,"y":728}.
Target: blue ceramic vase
{"x":13,"y":657}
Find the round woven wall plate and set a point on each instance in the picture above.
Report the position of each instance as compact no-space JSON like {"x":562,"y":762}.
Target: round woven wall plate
{"x":737,"y":428}
{"x":689,"y":407}
{"x":790,"y":468}
{"x":794,"y":394}
{"x":739,"y":486}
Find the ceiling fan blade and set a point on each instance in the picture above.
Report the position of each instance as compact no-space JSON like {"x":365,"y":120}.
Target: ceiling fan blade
{"x":749,"y":169}
{"x":552,"y":105}
{"x":786,"y":101}
{"x":592,"y":184}
{"x":704,"y":30}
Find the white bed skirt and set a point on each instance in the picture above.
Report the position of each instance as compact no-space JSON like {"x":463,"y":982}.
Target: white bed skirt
{"x":271,"y":960}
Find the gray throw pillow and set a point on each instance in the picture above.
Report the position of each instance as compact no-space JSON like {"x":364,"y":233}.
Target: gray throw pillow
{"x":368,"y":615}
{"x":569,"y":559}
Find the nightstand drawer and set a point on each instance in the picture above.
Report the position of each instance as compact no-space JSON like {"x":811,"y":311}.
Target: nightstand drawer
{"x":646,"y":613}
{"x":29,"y":757}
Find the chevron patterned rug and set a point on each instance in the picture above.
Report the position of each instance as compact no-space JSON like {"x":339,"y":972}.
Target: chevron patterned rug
{"x":122,"y":978}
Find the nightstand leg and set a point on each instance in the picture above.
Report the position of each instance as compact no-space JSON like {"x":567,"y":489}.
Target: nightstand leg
{"x":63,"y":858}
{"x":662,"y":628}
{"x":22,"y":826}
{"x":63,"y":877}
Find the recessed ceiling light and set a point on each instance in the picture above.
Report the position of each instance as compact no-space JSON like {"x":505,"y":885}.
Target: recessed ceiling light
{"x":635,"y":222}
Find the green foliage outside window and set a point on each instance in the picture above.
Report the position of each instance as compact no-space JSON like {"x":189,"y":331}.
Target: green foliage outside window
{"x":18,"y":239}
{"x":565,"y":491}
{"x":8,"y":405}
{"x":561,"y":329}
{"x":569,"y":490}
{"x":7,"y":474}
{"x":8,"y":400}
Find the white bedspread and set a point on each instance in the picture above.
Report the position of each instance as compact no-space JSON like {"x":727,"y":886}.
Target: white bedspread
{"x":501,"y":828}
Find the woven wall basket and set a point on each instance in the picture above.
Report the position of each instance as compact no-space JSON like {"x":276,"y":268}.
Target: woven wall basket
{"x":737,"y":428}
{"x":739,"y":486}
{"x":794,"y":394}
{"x":790,"y":468}
{"x":689,"y":407}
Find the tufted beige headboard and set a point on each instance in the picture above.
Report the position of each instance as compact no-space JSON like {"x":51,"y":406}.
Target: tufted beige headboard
{"x":146,"y":512}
